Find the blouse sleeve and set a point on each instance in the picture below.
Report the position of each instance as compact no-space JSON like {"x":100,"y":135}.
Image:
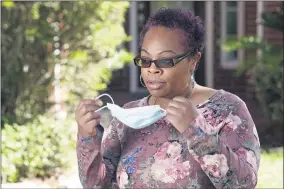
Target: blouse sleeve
{"x":97,"y":160}
{"x":226,"y":147}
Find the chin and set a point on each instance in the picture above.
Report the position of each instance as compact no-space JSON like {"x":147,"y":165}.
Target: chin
{"x":158,"y":93}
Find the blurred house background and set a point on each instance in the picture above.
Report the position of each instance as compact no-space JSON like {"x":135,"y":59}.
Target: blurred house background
{"x":222,"y":20}
{"x":53,"y":54}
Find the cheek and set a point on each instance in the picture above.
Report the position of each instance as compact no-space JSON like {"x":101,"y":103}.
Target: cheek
{"x":177,"y":77}
{"x":143,"y":71}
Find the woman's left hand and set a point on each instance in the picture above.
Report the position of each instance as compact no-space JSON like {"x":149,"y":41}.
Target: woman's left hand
{"x":181,"y":112}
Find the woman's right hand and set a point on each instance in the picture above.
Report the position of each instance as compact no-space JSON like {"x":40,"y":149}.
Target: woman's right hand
{"x":86,"y":117}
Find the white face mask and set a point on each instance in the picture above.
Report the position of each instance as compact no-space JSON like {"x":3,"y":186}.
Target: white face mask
{"x":136,"y":118}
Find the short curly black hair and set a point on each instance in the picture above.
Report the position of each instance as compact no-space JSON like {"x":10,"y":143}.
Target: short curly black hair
{"x":178,"y":18}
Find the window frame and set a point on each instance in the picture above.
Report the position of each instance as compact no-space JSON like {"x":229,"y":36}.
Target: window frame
{"x":232,"y":64}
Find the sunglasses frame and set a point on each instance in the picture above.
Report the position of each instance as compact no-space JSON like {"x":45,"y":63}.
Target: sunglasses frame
{"x":175,"y":60}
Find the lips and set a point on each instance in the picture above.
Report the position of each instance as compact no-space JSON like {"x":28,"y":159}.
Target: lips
{"x":155,"y":84}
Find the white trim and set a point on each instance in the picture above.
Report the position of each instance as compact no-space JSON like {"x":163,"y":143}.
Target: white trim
{"x":240,"y":30}
{"x":209,"y":36}
{"x":259,"y":27}
{"x":133,"y":45}
{"x":241,"y":26}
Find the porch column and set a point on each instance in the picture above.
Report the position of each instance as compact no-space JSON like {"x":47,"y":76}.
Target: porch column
{"x":259,"y":27}
{"x":209,"y":41}
{"x":133,"y":45}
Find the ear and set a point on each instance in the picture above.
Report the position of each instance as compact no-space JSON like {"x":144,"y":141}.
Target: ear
{"x":197,"y":56}
{"x":195,"y":61}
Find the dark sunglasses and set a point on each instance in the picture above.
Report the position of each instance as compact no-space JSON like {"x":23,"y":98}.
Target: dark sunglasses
{"x":161,"y":63}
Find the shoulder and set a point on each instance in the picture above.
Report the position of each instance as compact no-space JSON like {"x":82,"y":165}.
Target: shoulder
{"x":231,"y":98}
{"x":224,"y":103}
{"x":231,"y":103}
{"x":136,"y":103}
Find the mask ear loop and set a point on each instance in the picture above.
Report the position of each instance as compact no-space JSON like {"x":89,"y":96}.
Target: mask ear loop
{"x":104,"y":106}
{"x":102,"y":96}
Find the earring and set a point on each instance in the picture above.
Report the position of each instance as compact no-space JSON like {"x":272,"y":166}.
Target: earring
{"x":142,"y":82}
{"x":192,"y":74}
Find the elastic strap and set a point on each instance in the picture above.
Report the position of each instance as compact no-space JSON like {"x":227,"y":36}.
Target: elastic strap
{"x":105,"y":94}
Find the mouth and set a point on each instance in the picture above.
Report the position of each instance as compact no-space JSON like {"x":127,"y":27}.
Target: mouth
{"x":155,"y":84}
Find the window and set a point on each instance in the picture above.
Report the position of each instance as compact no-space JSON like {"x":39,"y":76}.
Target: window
{"x":232,"y":26}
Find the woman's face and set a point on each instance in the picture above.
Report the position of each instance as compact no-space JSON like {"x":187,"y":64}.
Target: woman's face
{"x":162,"y":42}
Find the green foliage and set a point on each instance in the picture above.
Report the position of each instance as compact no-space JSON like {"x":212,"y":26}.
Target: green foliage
{"x":45,"y":45}
{"x":270,"y":173}
{"x":274,"y":19}
{"x":25,"y":71}
{"x":80,"y":39}
{"x":266,"y":71}
{"x":36,"y":149}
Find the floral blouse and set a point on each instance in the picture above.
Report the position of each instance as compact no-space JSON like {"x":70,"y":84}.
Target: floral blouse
{"x":219,"y":149}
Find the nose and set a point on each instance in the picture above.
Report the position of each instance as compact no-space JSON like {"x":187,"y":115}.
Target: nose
{"x":153,"y":69}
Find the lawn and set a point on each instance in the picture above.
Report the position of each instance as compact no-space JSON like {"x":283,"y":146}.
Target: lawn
{"x":270,"y":174}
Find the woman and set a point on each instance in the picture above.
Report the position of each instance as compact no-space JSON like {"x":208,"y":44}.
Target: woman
{"x":206,"y":140}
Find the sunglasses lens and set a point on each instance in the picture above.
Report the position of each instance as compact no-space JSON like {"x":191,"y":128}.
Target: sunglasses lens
{"x":140,"y":62}
{"x":162,"y":63}
{"x":165,"y":63}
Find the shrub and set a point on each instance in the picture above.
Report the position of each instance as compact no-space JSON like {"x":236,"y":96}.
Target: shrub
{"x":75,"y":45}
{"x":36,"y":149}
{"x":266,"y":71}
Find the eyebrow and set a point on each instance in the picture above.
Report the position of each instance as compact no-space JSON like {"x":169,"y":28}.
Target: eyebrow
{"x":160,"y":52}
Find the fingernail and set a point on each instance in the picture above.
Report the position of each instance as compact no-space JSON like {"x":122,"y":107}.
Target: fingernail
{"x":99,"y":102}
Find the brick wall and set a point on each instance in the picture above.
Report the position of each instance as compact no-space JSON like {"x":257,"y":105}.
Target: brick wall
{"x":251,"y":100}
{"x":272,"y":35}
{"x":226,"y":78}
{"x":250,"y":30}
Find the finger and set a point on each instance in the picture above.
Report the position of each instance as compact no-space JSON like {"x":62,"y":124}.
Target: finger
{"x":89,"y":116}
{"x":99,"y":102}
{"x":86,"y":102}
{"x":180,"y":99}
{"x":172,"y":110}
{"x":91,"y":125}
{"x":87,"y":108}
{"x":170,"y":118}
{"x":176,"y":104}
{"x":89,"y":129}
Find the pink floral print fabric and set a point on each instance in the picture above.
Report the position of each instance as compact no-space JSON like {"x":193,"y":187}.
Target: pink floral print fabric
{"x":220,"y":149}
